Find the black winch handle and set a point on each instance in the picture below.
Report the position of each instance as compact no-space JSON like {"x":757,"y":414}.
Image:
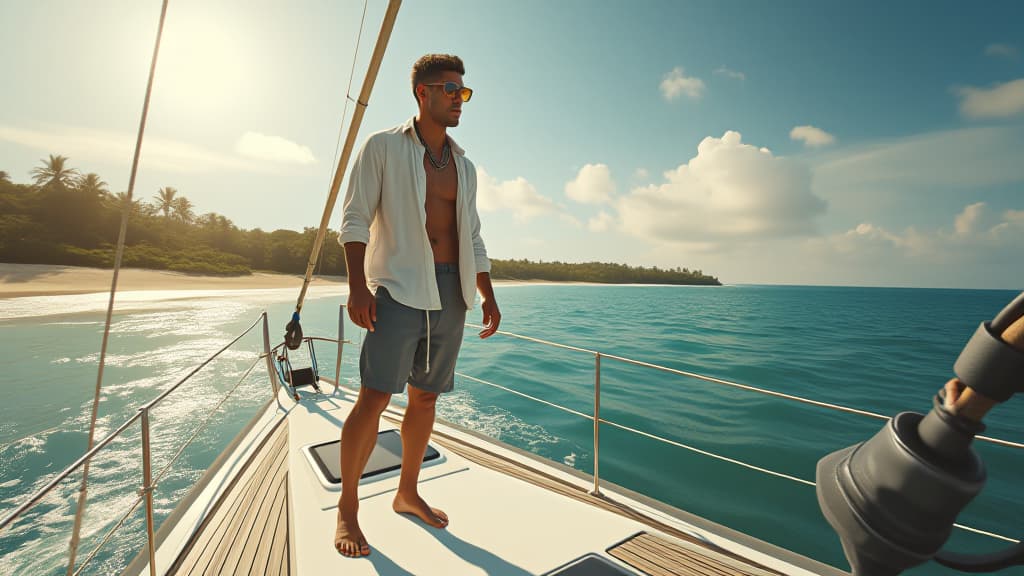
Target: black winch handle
{"x":991,"y":365}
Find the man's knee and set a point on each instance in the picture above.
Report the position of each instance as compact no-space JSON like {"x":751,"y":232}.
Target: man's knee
{"x":371,"y":401}
{"x":421,"y":399}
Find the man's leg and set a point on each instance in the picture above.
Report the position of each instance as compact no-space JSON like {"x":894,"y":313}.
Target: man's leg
{"x":416,"y":428}
{"x":358,"y":437}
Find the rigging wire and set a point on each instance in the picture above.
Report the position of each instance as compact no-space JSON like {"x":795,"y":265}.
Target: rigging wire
{"x":119,"y":254}
{"x":344,"y":113}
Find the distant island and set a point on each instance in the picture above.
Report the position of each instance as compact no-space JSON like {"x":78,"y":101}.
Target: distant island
{"x":65,"y":217}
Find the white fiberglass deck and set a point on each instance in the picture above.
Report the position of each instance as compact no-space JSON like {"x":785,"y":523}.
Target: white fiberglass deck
{"x":510,"y":514}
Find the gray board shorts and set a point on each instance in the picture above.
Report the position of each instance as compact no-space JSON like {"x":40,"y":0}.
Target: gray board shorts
{"x":396,"y":351}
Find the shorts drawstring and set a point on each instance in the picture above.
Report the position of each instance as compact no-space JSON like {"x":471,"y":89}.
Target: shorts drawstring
{"x":427,"y":312}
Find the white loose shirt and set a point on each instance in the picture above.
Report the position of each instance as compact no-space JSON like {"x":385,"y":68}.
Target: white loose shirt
{"x":385,"y":209}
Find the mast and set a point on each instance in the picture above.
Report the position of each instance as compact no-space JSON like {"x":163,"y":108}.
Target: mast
{"x":364,"y":97}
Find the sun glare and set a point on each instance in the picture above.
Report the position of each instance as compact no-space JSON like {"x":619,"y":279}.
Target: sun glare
{"x":202,"y":64}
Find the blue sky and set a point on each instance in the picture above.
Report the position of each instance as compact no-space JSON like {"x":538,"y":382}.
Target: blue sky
{"x":857,"y":143}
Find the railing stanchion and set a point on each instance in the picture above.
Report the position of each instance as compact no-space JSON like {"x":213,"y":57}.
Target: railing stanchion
{"x":147,"y":489}
{"x":266,"y":352}
{"x":597,"y":422}
{"x":341,"y":345}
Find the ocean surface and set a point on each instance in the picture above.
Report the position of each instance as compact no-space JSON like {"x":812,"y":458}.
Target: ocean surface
{"x":876,"y":349}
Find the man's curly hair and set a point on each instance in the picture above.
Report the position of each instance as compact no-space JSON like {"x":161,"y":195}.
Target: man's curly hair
{"x":429,"y":67}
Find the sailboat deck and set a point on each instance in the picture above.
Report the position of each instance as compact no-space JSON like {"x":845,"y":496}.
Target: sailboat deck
{"x":275,"y":518}
{"x":247,"y":533}
{"x":652,"y":554}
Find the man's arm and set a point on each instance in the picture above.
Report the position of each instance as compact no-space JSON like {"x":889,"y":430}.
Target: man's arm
{"x":362,"y":306}
{"x":492,"y":316}
{"x":361,"y":201}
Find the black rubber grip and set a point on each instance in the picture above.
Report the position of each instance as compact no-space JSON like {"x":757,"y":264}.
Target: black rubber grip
{"x":990,"y":366}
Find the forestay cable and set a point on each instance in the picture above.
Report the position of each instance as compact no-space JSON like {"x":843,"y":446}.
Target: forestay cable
{"x":125,"y":212}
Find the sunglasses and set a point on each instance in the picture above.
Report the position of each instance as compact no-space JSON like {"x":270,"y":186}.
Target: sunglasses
{"x":451,"y":88}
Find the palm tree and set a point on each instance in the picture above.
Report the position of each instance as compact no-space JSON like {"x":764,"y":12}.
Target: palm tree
{"x":92,"y":185}
{"x":182,"y":208}
{"x":121,"y":199}
{"x":54,"y":173}
{"x":165,"y":200}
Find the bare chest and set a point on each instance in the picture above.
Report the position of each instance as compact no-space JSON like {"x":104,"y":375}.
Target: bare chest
{"x":442,"y":185}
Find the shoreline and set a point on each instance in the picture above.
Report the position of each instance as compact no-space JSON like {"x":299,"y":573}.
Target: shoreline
{"x":30,"y":280}
{"x":26,"y":280}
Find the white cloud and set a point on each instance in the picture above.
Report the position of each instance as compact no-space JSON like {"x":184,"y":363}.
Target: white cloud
{"x":969,"y":241}
{"x":735,"y":75}
{"x":963,"y":158}
{"x":601,"y":223}
{"x":966,"y":222}
{"x":1002,"y":49}
{"x":273,"y":148}
{"x":593,"y":185}
{"x":999,"y":101}
{"x":641,"y":174}
{"x":812,"y":137}
{"x":570,"y":220}
{"x":117,"y":148}
{"x":729,"y":193}
{"x":675,"y":83}
{"x":516,"y":196}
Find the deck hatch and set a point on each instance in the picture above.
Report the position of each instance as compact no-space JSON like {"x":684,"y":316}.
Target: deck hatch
{"x":386,"y":457}
{"x":590,"y":565}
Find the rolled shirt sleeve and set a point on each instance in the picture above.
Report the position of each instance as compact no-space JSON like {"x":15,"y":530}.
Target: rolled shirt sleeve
{"x":483,"y":263}
{"x":363,"y":195}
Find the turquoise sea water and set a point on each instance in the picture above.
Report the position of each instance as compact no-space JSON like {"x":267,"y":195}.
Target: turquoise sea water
{"x":876,"y":349}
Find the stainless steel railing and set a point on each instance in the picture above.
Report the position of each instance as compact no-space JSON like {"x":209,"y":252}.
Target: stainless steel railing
{"x":598,"y":420}
{"x":148,"y":483}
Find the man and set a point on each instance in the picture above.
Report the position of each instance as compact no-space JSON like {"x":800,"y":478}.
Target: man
{"x":410,"y":219}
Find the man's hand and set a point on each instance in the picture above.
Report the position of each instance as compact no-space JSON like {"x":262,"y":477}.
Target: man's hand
{"x":362,"y":306}
{"x":492,"y":318}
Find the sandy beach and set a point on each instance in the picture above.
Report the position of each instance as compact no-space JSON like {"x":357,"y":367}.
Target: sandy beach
{"x":17,"y":280}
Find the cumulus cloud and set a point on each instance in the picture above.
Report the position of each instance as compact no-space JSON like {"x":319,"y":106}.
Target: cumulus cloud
{"x":676,"y":83}
{"x":516,"y":196}
{"x":729,"y":193}
{"x":735,"y":75}
{"x":966,"y":222}
{"x":1002,"y":49}
{"x":974,"y":229}
{"x":112,"y":147}
{"x":641,"y":174}
{"x":570,"y":220}
{"x":999,"y":101}
{"x":273,"y":149}
{"x":966,"y":158}
{"x":811,"y":136}
{"x":593,"y":185}
{"x":601,"y":223}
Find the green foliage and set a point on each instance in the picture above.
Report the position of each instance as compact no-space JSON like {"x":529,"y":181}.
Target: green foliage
{"x":596,"y":272}
{"x":66,"y":218}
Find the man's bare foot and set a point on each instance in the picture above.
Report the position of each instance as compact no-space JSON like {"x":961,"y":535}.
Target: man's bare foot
{"x":417,"y":507}
{"x":348,"y":538}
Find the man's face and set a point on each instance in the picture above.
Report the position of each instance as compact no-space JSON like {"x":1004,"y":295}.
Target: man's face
{"x":445,"y":109}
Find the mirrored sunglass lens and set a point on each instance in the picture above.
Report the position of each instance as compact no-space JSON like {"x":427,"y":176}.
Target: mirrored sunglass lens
{"x":466,"y":94}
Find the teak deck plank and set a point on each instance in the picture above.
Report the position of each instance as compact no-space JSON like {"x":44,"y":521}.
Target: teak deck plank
{"x":660,"y":557}
{"x":247,"y":530}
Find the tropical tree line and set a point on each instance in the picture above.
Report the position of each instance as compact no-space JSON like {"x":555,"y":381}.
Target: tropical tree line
{"x":66,"y":217}
{"x":597,"y":272}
